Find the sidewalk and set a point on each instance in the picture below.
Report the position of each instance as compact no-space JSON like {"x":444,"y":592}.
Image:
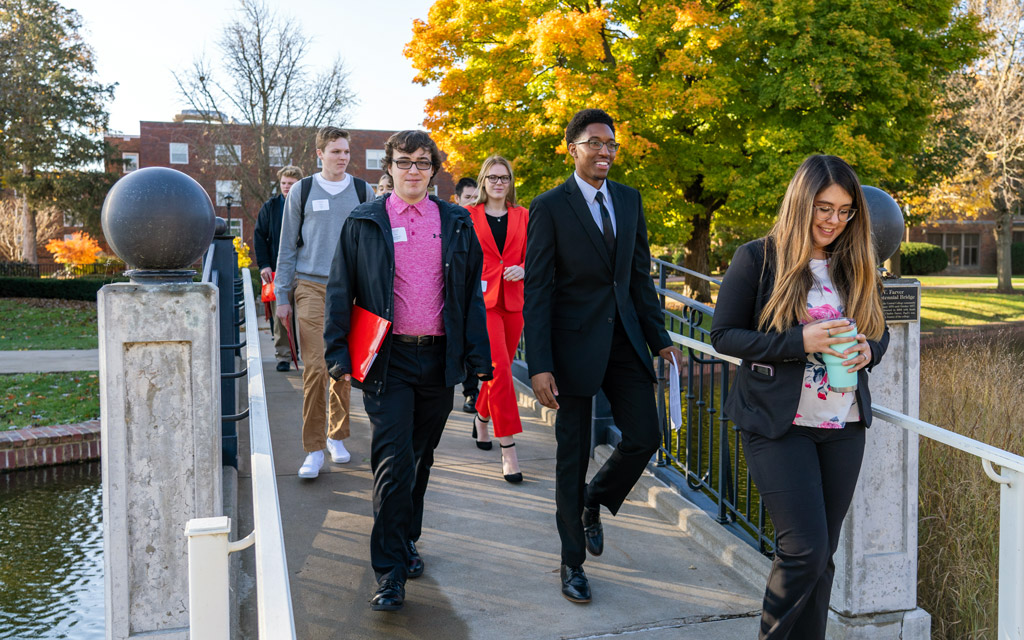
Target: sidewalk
{"x":49,"y":361}
{"x":490,"y":548}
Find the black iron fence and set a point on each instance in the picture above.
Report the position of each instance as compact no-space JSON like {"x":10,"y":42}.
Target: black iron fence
{"x":28,"y":270}
{"x":703,"y":459}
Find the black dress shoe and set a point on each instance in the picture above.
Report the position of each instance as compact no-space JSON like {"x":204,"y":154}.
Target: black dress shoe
{"x":470,"y":405}
{"x":390,"y":596}
{"x":593,"y":531}
{"x":486,"y":446}
{"x":284,"y":365}
{"x":415,"y":561}
{"x":575,"y":586}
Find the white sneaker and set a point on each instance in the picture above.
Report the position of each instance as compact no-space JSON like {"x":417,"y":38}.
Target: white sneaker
{"x":339,"y":454}
{"x":311,"y":466}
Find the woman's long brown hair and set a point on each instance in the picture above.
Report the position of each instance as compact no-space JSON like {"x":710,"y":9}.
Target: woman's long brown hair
{"x":851,"y":256}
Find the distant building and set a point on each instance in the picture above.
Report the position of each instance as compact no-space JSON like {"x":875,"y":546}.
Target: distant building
{"x":970,"y":244}
{"x":214,"y":151}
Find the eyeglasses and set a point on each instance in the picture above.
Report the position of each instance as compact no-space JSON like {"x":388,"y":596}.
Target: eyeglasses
{"x":823,"y":213}
{"x":497,"y":179}
{"x":596,"y":144}
{"x":405,"y":163}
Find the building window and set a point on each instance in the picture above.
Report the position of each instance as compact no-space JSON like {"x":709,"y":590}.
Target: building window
{"x":961,"y":248}
{"x":179,"y":152}
{"x":279,"y":156}
{"x":227,"y":155}
{"x":433,"y":190}
{"x":236,"y":228}
{"x":227,"y":188}
{"x":319,"y":162}
{"x":131,"y":161}
{"x":1018,"y":236}
{"x":374,"y":159}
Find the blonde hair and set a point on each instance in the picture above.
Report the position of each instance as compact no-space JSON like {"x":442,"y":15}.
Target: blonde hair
{"x":851,"y":256}
{"x":481,"y":180}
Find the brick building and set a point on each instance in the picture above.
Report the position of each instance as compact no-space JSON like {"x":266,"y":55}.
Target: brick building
{"x":215,"y":155}
{"x":970,"y":245}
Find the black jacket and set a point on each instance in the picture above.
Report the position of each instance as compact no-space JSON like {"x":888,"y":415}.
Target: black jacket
{"x":363,"y":273}
{"x":573,"y":295}
{"x":761,"y":403}
{"x":266,"y":238}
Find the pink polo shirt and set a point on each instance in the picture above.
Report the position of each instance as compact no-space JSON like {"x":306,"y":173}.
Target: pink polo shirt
{"x":419,"y":270}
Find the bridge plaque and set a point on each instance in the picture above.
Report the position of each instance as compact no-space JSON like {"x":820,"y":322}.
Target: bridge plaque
{"x":901,"y":300}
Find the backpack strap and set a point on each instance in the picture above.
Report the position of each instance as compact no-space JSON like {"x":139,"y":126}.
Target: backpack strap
{"x":360,"y":189}
{"x":305,"y":185}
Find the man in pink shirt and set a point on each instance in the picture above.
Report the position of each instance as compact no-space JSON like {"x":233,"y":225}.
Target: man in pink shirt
{"x":414,"y":260}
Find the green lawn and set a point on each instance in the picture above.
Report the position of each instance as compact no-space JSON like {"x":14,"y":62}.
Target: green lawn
{"x":31,"y":323}
{"x":43,"y":399}
{"x":942,"y":308}
{"x":966,"y":282}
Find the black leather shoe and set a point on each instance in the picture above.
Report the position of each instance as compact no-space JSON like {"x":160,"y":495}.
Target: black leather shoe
{"x":284,"y":365}
{"x":593,"y":531}
{"x":390,"y":596}
{"x":470,"y":405}
{"x":415,"y":561}
{"x":575,"y":586}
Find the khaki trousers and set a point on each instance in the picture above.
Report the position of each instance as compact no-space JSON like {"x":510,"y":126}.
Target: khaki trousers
{"x":282,"y":351}
{"x":310,"y":298}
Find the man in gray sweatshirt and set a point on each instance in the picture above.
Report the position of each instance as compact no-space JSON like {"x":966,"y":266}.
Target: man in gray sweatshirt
{"x":309,"y":239}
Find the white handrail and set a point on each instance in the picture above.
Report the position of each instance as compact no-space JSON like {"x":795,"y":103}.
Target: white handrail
{"x":1011,"y":507}
{"x":273,"y":591}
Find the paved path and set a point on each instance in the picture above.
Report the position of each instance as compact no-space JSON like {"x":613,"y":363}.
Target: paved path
{"x":49,"y":361}
{"x":490,"y":548}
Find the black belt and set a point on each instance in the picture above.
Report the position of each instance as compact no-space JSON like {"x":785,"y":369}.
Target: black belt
{"x":417,"y":340}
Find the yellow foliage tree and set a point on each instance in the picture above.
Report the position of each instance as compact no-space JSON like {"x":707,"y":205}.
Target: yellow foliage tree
{"x":242,"y":250}
{"x":77,"y":250}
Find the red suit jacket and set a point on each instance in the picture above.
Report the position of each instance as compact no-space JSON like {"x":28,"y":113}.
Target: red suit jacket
{"x":496,"y":288}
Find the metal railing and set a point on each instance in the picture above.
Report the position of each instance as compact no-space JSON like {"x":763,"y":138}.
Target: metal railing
{"x":208,"y":544}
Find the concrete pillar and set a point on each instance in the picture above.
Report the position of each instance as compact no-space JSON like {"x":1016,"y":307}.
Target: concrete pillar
{"x":160,"y":402}
{"x":874,"y":596}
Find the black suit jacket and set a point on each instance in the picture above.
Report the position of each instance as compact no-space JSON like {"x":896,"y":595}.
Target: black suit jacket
{"x":266,"y":237}
{"x":573,"y":295}
{"x":758,"y":402}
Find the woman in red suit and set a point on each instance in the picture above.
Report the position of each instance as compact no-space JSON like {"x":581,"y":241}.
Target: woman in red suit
{"x":501,"y":227}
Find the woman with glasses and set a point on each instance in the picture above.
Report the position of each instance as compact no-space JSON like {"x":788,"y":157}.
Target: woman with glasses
{"x":783,"y":300}
{"x":501,"y":227}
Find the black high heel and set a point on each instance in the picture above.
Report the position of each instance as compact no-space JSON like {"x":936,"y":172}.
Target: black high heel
{"x":514,"y":478}
{"x":486,"y":446}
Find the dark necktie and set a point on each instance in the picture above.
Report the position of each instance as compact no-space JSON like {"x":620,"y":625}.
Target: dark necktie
{"x":606,"y":223}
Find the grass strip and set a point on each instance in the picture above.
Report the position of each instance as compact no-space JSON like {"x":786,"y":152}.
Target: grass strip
{"x":952,"y":308}
{"x":31,"y":323}
{"x":44,"y":399}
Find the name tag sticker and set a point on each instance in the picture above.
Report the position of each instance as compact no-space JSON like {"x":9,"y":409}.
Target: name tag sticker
{"x":321,"y":205}
{"x":398,"y":235}
{"x":483,"y":283}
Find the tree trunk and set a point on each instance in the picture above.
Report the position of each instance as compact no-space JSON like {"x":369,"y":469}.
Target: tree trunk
{"x":698,"y":247}
{"x":1004,"y":266}
{"x":28,"y":233}
{"x":893,"y":264}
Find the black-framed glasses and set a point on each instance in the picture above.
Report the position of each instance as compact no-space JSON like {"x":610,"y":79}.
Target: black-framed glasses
{"x":596,"y":144}
{"x":496,"y":179}
{"x":405,"y":163}
{"x":823,"y":213}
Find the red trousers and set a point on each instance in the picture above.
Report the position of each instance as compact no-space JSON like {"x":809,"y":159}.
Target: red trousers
{"x":497,"y":399}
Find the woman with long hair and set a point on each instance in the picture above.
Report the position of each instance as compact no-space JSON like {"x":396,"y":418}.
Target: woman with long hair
{"x":781,"y":304}
{"x":501,"y":228}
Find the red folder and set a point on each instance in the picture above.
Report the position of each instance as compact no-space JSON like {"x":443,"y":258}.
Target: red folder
{"x":364,"y":340}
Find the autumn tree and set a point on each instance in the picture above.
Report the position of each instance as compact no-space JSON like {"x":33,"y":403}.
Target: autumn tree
{"x":717,"y":103}
{"x":261,"y":80}
{"x":52,"y":111}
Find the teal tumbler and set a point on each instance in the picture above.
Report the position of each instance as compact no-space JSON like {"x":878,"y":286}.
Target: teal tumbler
{"x":839,"y":378}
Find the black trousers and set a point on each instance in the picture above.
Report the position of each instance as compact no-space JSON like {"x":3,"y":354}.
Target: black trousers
{"x":630,"y":392}
{"x":471,"y":386}
{"x":806,"y":479}
{"x":407,"y":419}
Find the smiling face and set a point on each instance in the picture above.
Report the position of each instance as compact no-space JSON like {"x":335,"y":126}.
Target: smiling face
{"x":593,"y":165}
{"x":335,"y":156}
{"x":497,"y":191}
{"x":411,"y":184}
{"x":824,"y":232}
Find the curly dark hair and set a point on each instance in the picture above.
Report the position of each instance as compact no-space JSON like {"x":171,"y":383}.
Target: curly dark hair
{"x":586,"y":117}
{"x":408,"y":142}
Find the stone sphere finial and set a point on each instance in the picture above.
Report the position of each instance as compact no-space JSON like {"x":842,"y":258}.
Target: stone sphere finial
{"x":887,"y":224}
{"x":159,"y":221}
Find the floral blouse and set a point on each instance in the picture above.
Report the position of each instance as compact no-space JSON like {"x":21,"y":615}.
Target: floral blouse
{"x":820,"y":406}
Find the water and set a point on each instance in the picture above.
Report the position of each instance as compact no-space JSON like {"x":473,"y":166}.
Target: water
{"x":51,"y":553}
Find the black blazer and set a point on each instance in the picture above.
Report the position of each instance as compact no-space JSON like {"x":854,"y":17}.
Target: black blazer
{"x":761,"y":403}
{"x":266,"y":237}
{"x":572,"y":294}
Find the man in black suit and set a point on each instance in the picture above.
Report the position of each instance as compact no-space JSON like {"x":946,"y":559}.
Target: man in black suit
{"x":592,"y":322}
